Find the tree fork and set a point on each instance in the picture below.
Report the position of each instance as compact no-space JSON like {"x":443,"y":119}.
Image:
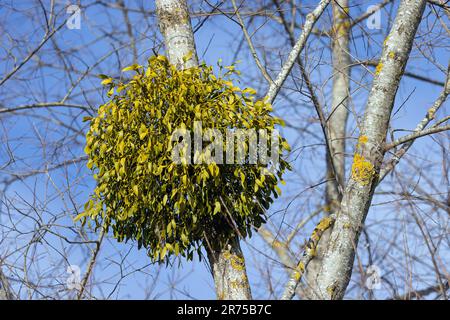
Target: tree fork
{"x":337,"y":264}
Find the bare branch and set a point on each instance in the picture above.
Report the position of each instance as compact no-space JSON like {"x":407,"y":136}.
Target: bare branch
{"x":311,"y":19}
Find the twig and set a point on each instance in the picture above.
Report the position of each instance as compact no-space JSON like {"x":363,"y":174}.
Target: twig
{"x":311,"y":19}
{"x":415,"y":135}
{"x":43,"y":105}
{"x":91,"y":263}
{"x":47,"y":36}
{"x":251,"y":46}
{"x":420,"y":127}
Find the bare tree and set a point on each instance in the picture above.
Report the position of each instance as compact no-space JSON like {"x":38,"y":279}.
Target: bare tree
{"x":366,"y":113}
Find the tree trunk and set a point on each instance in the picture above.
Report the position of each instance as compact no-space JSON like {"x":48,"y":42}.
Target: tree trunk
{"x":336,"y":268}
{"x":227,"y":262}
{"x":176,"y":28}
{"x":336,"y":130}
{"x":229,"y":272}
{"x":5,"y":290}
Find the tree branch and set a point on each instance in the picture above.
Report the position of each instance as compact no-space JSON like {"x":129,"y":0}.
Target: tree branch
{"x":311,"y":19}
{"x":308,"y":255}
{"x":251,"y":46}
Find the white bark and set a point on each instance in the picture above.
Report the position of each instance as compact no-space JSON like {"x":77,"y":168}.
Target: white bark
{"x":229,"y":271}
{"x":227,"y":261}
{"x":176,"y":28}
{"x":336,"y":268}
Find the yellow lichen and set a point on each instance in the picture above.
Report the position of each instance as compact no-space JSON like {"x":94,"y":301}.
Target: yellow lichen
{"x":277,"y":244}
{"x":342,"y":28}
{"x":298,"y":273}
{"x":363,"y":140}
{"x":238,"y":259}
{"x":342,"y":13}
{"x":311,"y":251}
{"x":311,"y":246}
{"x":392,"y":54}
{"x":379,"y":68}
{"x":315,"y":235}
{"x":431,"y":112}
{"x":324,"y":223}
{"x":227,"y":255}
{"x":235,"y":284}
{"x":331,"y":289}
{"x":237,"y":265}
{"x":362,"y":169}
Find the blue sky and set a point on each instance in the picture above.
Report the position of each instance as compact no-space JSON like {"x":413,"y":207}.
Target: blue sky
{"x":218,"y":38}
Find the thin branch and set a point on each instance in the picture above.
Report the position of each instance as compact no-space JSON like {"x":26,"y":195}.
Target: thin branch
{"x":415,"y":135}
{"x":311,"y":19}
{"x":251,"y":46}
{"x":420,"y":127}
{"x":280,"y":248}
{"x":43,"y":105}
{"x":442,"y":4}
{"x":47,"y":36}
{"x":408,"y":74}
{"x":420,"y":293}
{"x":367,"y":14}
{"x":5,"y":288}
{"x":91,"y":263}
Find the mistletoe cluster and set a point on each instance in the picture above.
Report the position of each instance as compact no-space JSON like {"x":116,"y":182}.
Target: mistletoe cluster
{"x":142,"y":194}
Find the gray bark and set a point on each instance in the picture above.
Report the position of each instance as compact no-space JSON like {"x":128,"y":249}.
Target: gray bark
{"x":336,"y":125}
{"x":336,"y":267}
{"x":5,"y":290}
{"x":340,"y":95}
{"x":307,"y":257}
{"x":227,"y":261}
{"x":229,"y":271}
